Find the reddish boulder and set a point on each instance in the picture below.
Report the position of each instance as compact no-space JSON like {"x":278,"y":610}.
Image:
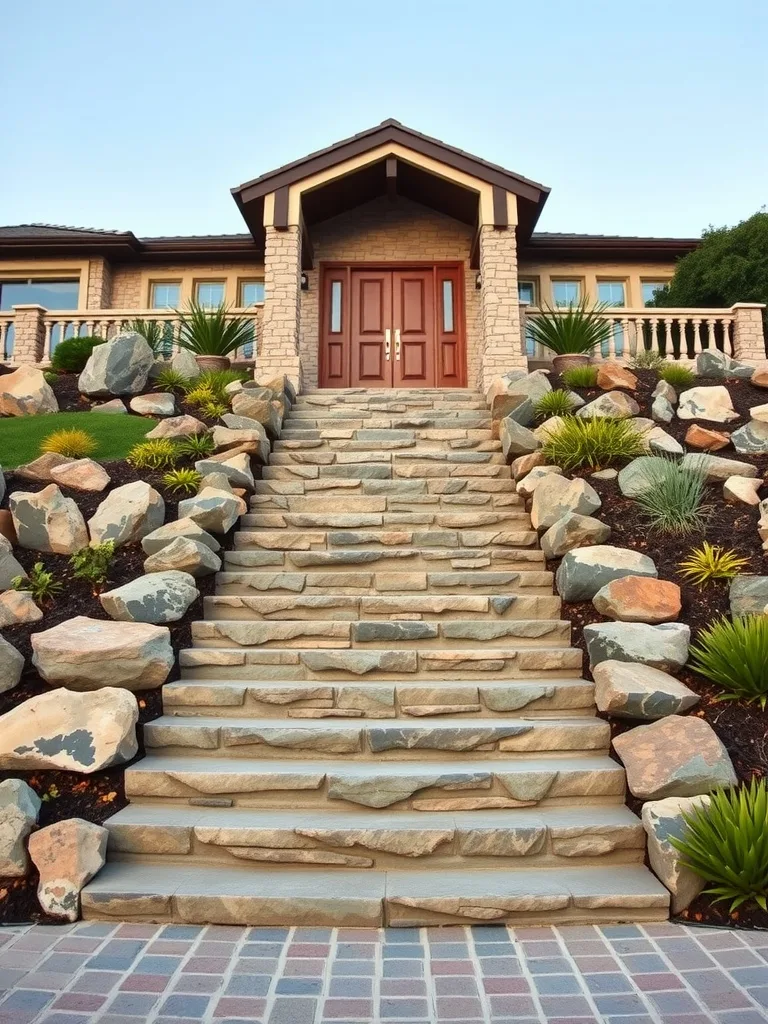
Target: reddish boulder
{"x":639,"y":599}
{"x":706,"y":440}
{"x":612,"y":375}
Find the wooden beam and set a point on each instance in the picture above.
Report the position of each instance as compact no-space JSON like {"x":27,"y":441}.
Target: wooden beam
{"x":307,"y":251}
{"x":474,"y":250}
{"x":392,"y":177}
{"x":281,"y":209}
{"x":500,"y":218}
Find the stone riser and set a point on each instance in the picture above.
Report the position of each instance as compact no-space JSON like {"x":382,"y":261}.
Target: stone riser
{"x":428,"y":419}
{"x":359,"y":584}
{"x":399,"y":447}
{"x":442,"y":438}
{"x":423,"y":459}
{"x":386,"y":471}
{"x":334,"y":500}
{"x":506,"y":519}
{"x":343,"y":403}
{"x":327,"y":540}
{"x":409,"y":560}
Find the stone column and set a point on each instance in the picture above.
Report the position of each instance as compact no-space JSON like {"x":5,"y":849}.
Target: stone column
{"x":748,"y":337}
{"x":99,"y":294}
{"x":278,"y":347}
{"x":28,"y":334}
{"x":502,"y":347}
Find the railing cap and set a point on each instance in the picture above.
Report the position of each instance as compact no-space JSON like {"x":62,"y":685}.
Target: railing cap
{"x":748,"y":305}
{"x":30,"y":305}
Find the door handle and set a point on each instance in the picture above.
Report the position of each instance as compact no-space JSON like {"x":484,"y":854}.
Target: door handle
{"x":397,"y":344}
{"x":387,"y":343}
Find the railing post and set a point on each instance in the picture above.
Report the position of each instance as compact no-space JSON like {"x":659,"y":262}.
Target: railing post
{"x":748,"y":336}
{"x":28,"y":334}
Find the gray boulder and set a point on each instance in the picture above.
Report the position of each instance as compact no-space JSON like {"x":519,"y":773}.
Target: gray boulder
{"x":717,"y":469}
{"x":573,"y":531}
{"x":165,"y":535}
{"x":25,"y":392}
{"x":531,"y":481}
{"x":11,"y":666}
{"x":714,"y":363}
{"x":641,"y":475}
{"x":10,"y":568}
{"x":237,"y":470}
{"x":583,"y":571}
{"x":751,"y":439}
{"x":516,"y":439}
{"x":555,"y":496}
{"x":252,"y":439}
{"x":158,"y":597}
{"x":127,"y":514}
{"x":516,"y":394}
{"x":663,"y":821}
{"x":662,"y":410}
{"x":664,"y":647}
{"x":707,"y":403}
{"x":160,"y":404}
{"x":118,"y":367}
{"x":186,"y":555}
{"x":630,"y":690}
{"x":212,"y":509}
{"x":185,"y":364}
{"x":67,"y":855}
{"x":47,"y":521}
{"x":613,"y":404}
{"x":748,"y":595}
{"x":246,"y":403}
{"x":114,"y":407}
{"x":19,"y":808}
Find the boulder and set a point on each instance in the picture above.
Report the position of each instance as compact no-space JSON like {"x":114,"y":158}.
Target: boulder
{"x":184,"y":362}
{"x":748,"y":595}
{"x":707,"y":403}
{"x":212,"y":509}
{"x":253,"y":440}
{"x":676,"y":756}
{"x":741,"y":490}
{"x":516,"y":439}
{"x":7,"y":529}
{"x":707,"y":440}
{"x":714,"y":363}
{"x":639,"y":599}
{"x":656,"y":439}
{"x":10,"y":568}
{"x":556,"y":495}
{"x":516,"y":395}
{"x":81,"y":475}
{"x":114,"y":407}
{"x":760,"y":377}
{"x":81,"y":732}
{"x":178,"y":426}
{"x":217,"y":481}
{"x":717,"y":469}
{"x":25,"y":392}
{"x":18,"y":608}
{"x":127,"y":514}
{"x":19,"y":808}
{"x":549,"y":427}
{"x":118,"y":367}
{"x":184,"y":554}
{"x":663,"y":821}
{"x":641,"y":475}
{"x":246,"y":403}
{"x":237,"y":470}
{"x":525,"y":463}
{"x":759,"y":412}
{"x":762,"y":523}
{"x":665,"y":390}
{"x":67,"y":854}
{"x":605,"y":474}
{"x":630,"y":690}
{"x":531,"y":481}
{"x":573,"y":531}
{"x":583,"y":571}
{"x":47,"y":521}
{"x":279,"y":385}
{"x":11,"y":666}
{"x":165,"y":535}
{"x":158,"y":597}
{"x":751,"y":439}
{"x":662,"y":410}
{"x":664,"y":647}
{"x":160,"y":404}
{"x":88,"y":654}
{"x":614,"y":405}
{"x":41,"y":469}
{"x":613,"y":375}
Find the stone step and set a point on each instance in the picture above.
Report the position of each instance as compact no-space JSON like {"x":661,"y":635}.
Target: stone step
{"x":291,"y":700}
{"x":520,"y":839}
{"x":327,"y":540}
{"x":385,"y":471}
{"x":367,"y":419}
{"x":516,"y":517}
{"x":379,"y":457}
{"x":361,"y":739}
{"x":380,"y":634}
{"x":431,"y":450}
{"x":410,"y":559}
{"x":425,"y":786}
{"x":429,"y":489}
{"x":340,"y":608}
{"x":437,"y":400}
{"x":437,"y":665}
{"x":429,"y":437}
{"x":335,"y":498}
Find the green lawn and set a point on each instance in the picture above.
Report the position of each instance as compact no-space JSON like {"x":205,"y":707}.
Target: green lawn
{"x":20,"y":436}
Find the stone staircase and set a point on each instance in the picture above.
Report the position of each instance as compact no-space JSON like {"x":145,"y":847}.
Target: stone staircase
{"x":382,"y":720}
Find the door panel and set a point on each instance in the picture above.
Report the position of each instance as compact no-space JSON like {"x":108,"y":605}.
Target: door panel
{"x":371,"y":319}
{"x":413,"y":320}
{"x":450,"y":328}
{"x":334,"y":332}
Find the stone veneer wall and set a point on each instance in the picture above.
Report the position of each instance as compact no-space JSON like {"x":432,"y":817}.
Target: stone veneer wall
{"x":502,"y":342}
{"x":388,"y":231}
{"x":99,"y":293}
{"x":130,"y":283}
{"x":279,"y":344}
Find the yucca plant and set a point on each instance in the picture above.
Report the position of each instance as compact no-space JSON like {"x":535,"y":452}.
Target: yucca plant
{"x":211,"y":332}
{"x":593,"y":443}
{"x":171,"y":380}
{"x":195,"y":446}
{"x":571,"y":330}
{"x":152,"y":331}
{"x":733,"y":654}
{"x":711,"y":562}
{"x":726,"y":844}
{"x":40,"y":583}
{"x":74,"y":443}
{"x":93,"y":564}
{"x":554,"y":403}
{"x":647,"y":359}
{"x":674,"y":500}
{"x":182,"y":481}
{"x":157,"y":453}
{"x":580,"y":377}
{"x":676,"y":375}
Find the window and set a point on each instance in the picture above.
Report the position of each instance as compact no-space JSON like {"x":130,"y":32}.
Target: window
{"x":51,"y":294}
{"x":251,"y":293}
{"x":448,"y":306}
{"x":526,"y":292}
{"x":650,"y":288}
{"x":566,"y":293}
{"x":335,"y":307}
{"x":210,"y":293}
{"x":611,"y":292}
{"x":165,"y":294}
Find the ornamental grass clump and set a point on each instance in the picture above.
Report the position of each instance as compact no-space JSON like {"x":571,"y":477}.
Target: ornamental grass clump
{"x":647,"y":359}
{"x":74,"y":443}
{"x":580,"y":377}
{"x":726,"y":844}
{"x":182,"y":481}
{"x":157,"y":453}
{"x":711,"y":562}
{"x":554,"y":403}
{"x":677,"y":376}
{"x":592,"y":443}
{"x":571,"y":330}
{"x":733,"y":654}
{"x":674,"y":502}
{"x":195,"y":446}
{"x":171,"y":380}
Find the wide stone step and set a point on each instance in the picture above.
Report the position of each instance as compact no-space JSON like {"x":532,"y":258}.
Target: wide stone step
{"x":292,"y":700}
{"x":365,"y":419}
{"x":390,"y":399}
{"x":439,"y":664}
{"x":520,"y":839}
{"x":453,"y":784}
{"x":426,"y":459}
{"x":334,"y":498}
{"x":361,"y":739}
{"x":409,"y":559}
{"x":385,"y":470}
{"x":517,"y":518}
{"x":320,"y":540}
{"x":438,"y":437}
{"x":396,"y":445}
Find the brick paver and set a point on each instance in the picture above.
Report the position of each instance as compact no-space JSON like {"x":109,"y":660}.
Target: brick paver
{"x":172,"y":974}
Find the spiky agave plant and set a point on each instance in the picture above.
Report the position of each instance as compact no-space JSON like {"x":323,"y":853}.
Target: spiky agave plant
{"x":733,"y":654}
{"x":711,"y":562}
{"x":571,"y":330}
{"x":211,"y":332}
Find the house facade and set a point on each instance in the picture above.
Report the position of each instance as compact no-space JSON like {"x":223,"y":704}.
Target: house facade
{"x":389,"y":259}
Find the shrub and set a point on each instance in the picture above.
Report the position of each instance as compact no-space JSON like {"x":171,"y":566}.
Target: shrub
{"x":74,"y":443}
{"x":674,"y":501}
{"x":171,"y":380}
{"x":40,"y":583}
{"x":50,"y":376}
{"x":727,"y":844}
{"x":214,"y":410}
{"x":647,"y":359}
{"x":200,"y":395}
{"x":555,"y":403}
{"x":592,"y":443}
{"x":676,"y":375}
{"x":93,"y":564}
{"x":71,"y":355}
{"x":182,"y":481}
{"x":195,"y":446}
{"x":157,"y":453}
{"x":216,"y":382}
{"x":710,"y":562}
{"x":212,"y":332}
{"x":734,"y":656}
{"x":573,"y":330}
{"x":580,"y":377}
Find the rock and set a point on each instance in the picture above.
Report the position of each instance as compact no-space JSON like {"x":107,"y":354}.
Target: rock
{"x":556,"y":495}
{"x":10,"y":568}
{"x":213,"y":510}
{"x":47,"y":521}
{"x":707,"y":403}
{"x":165,"y":535}
{"x":613,"y":375}
{"x":530,"y":482}
{"x":114,"y":407}
{"x":573,"y":531}
{"x":81,"y":475}
{"x":516,"y":394}
{"x":280,"y":385}
{"x":641,"y":475}
{"x":87,"y":654}
{"x":11,"y":666}
{"x":7,"y":529}
{"x":82,"y":732}
{"x":657,"y":440}
{"x":662,"y":410}
{"x":614,"y":404}
{"x":254,"y":440}
{"x":760,"y":378}
{"x":67,"y":854}
{"x":605,"y":474}
{"x":639,"y":599}
{"x":216,"y":481}
{"x":245,"y":403}
{"x":748,"y":595}
{"x":697,"y":436}
{"x":714,"y":363}
{"x":751,"y":439}
{"x":516,"y":439}
{"x":237,"y":470}
{"x":185,"y":554}
{"x":663,"y":821}
{"x":118,"y":367}
{"x":759,"y":412}
{"x":25,"y":392}
{"x":525,"y":463}
{"x":127,"y":514}
{"x":548,"y":428}
{"x":19,"y":808}
{"x":674,"y":757}
{"x":18,"y":608}
{"x":630,"y":690}
{"x":41,"y":468}
{"x":717,"y":469}
{"x":583,"y":571}
{"x":184,"y":362}
{"x":161,"y":404}
{"x":665,"y":390}
{"x":178,"y":426}
{"x":158,"y":597}
{"x":664,"y":647}
{"x":742,"y":490}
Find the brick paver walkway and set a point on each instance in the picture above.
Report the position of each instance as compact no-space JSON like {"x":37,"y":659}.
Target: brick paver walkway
{"x":132,"y":974}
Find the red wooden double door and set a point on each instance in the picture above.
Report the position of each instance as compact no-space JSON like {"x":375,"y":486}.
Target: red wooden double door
{"x":392,"y":326}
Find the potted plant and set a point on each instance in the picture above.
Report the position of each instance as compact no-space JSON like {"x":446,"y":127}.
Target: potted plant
{"x":212,"y":334}
{"x":571,"y":333}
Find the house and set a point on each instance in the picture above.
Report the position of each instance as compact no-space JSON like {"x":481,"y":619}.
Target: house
{"x":387,"y":259}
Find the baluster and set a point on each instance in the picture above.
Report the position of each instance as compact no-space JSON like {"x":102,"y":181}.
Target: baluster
{"x":626,"y":341}
{"x":696,"y":335}
{"x":655,"y":339}
{"x":727,"y":335}
{"x":668,"y":346}
{"x":48,"y":336}
{"x":4,"y":331}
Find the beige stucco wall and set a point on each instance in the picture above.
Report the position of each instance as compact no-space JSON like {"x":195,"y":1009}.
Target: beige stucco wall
{"x":131,"y":283}
{"x":589,"y":273}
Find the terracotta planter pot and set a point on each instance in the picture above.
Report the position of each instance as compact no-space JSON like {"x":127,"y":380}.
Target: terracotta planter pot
{"x":213,"y":362}
{"x":570,"y":362}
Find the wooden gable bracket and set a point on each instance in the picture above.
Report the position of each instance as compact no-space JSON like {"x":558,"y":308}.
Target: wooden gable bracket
{"x":392,"y":178}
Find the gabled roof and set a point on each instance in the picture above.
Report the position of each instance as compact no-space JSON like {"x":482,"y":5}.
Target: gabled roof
{"x":52,"y":231}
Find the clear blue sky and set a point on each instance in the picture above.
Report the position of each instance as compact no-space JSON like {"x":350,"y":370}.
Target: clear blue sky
{"x":644,"y":117}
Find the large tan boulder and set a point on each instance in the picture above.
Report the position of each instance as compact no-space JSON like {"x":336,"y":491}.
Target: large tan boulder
{"x":25,"y":392}
{"x":127,"y":514}
{"x":246,"y":403}
{"x":663,"y":821}
{"x":613,"y":375}
{"x":178,"y":426}
{"x":556,"y":496}
{"x":67,"y":855}
{"x":18,"y":607}
{"x":81,"y":475}
{"x":47,"y":521}
{"x":631,"y":690}
{"x":639,"y":599}
{"x":707,"y":403}
{"x":252,"y":439}
{"x":19,"y":808}
{"x":41,"y":469}
{"x":87,"y":654}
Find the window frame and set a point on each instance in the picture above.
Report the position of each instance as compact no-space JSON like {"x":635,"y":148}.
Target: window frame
{"x":578,"y":281}
{"x":241,"y":281}
{"x":623,"y":281}
{"x":659,"y":282}
{"x":163,"y":282}
{"x":534,"y":284}
{"x":198,"y":281}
